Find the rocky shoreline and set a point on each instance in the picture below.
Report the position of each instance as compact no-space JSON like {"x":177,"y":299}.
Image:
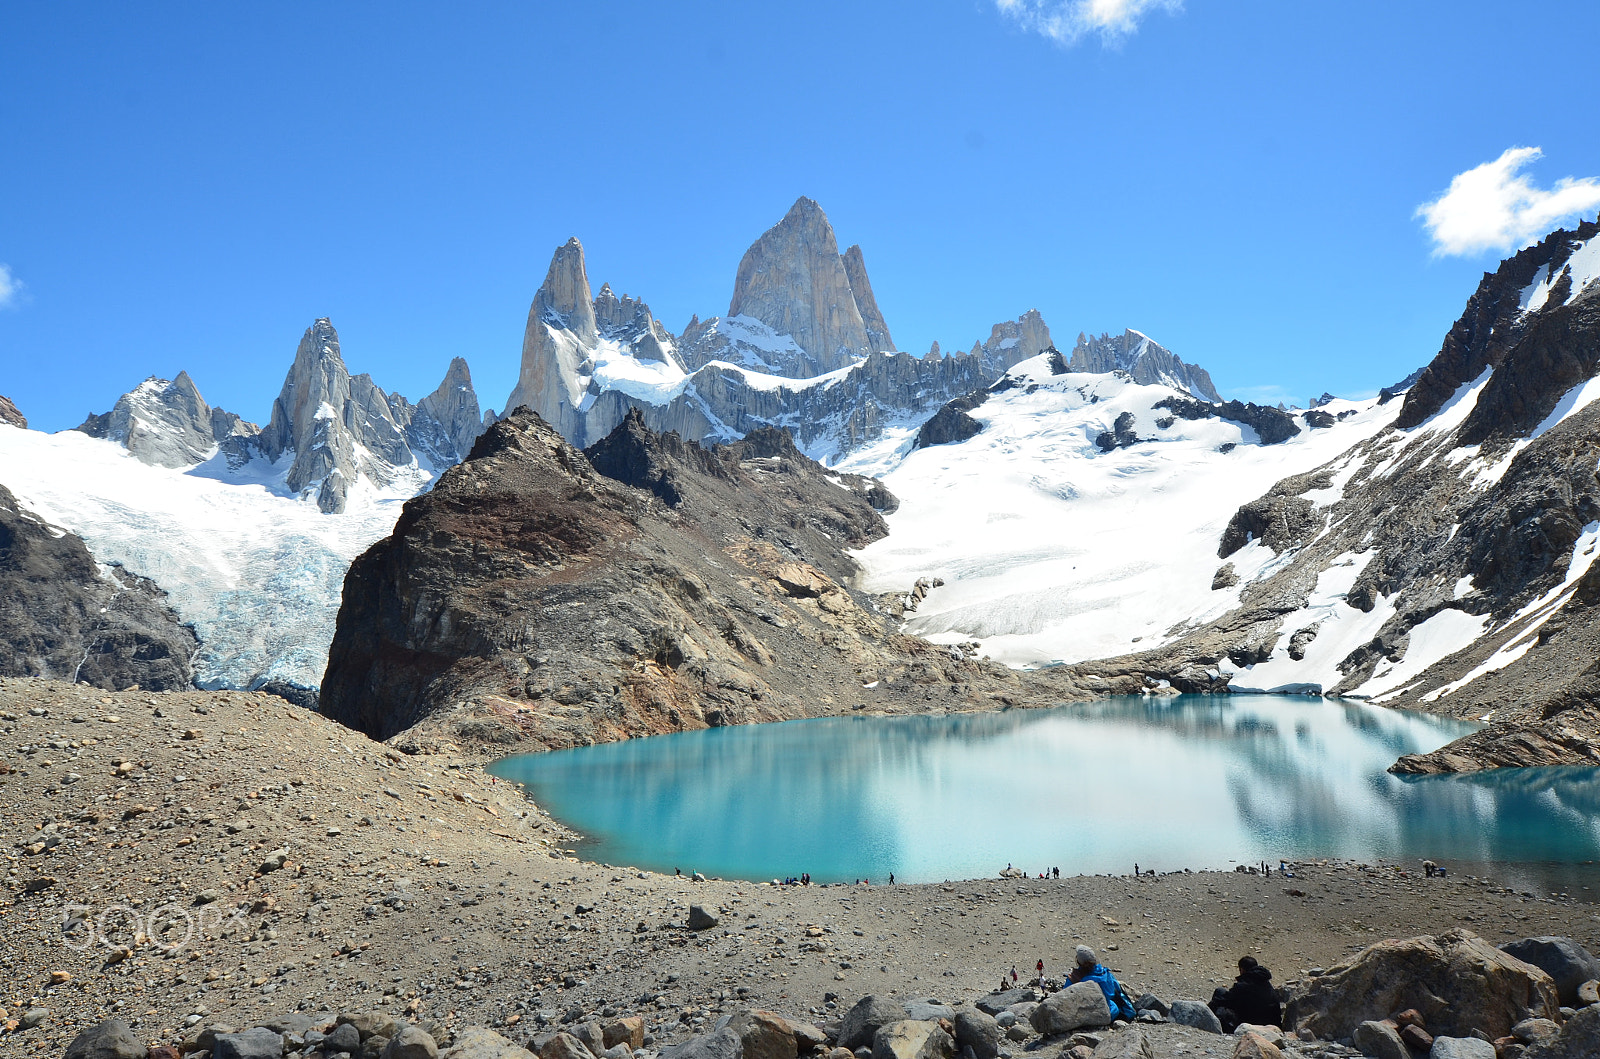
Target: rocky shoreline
{"x":185,"y":859}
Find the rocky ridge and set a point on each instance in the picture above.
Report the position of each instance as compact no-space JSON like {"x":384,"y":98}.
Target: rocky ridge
{"x":339,"y":429}
{"x":64,"y":616}
{"x":804,"y":346}
{"x":10,"y":416}
{"x":548,"y":596}
{"x":1446,"y":563}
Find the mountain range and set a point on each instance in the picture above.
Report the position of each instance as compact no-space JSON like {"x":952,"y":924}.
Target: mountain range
{"x":1099,"y":519}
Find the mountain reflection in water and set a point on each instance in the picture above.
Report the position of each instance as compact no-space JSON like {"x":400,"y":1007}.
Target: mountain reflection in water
{"x":1191,"y":781}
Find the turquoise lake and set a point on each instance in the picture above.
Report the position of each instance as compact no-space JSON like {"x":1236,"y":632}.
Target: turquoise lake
{"x":1168,"y":783}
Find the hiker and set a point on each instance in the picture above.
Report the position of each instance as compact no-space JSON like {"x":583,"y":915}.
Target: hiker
{"x":1252,"y":998}
{"x":1090,"y":969}
{"x":1056,"y":872}
{"x":891,"y":878}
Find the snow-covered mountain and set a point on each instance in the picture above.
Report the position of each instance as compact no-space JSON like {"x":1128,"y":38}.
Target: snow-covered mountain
{"x":1076,"y":515}
{"x":803,"y":346}
{"x":249,"y":530}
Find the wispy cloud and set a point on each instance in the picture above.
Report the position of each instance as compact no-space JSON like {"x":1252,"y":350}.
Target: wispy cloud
{"x":10,"y":288}
{"x":1494,"y":207}
{"x":1069,"y":21}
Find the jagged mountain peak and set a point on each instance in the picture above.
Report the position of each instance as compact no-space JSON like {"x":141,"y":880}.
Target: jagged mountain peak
{"x":10,"y":414}
{"x":793,"y":280}
{"x":564,"y":300}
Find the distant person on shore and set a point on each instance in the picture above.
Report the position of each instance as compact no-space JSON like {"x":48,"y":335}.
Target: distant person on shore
{"x":1089,"y":969}
{"x":891,"y":878}
{"x":1252,"y":998}
{"x":1056,"y":872}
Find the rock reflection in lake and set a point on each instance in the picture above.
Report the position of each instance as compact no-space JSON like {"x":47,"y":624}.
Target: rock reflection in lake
{"x":1192,"y":781}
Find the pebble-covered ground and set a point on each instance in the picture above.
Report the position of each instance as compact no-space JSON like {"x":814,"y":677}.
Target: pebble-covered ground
{"x":199,"y":857}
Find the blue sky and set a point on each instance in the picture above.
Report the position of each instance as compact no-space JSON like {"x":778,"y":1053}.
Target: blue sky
{"x":188,"y":186}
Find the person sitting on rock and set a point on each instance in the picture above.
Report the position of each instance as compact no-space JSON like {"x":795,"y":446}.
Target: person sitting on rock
{"x":1251,"y":999}
{"x":1090,"y":969}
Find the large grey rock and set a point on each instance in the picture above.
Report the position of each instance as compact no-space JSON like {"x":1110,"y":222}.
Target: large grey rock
{"x":480,"y":1042}
{"x":979,"y":1031}
{"x":257,"y":1043}
{"x":1459,"y":1048}
{"x":1580,"y":1039}
{"x":1456,"y":981}
{"x":926,"y":1009}
{"x":1080,"y":1006}
{"x":412,"y":1042}
{"x":869,"y":1014}
{"x":764,"y":1035}
{"x":910,"y":1039}
{"x":1567,"y":963}
{"x":1193,"y":1013}
{"x":700,"y":919}
{"x":344,"y":1038}
{"x":723,"y":1044}
{"x":1130,"y":1043}
{"x":1381,"y":1040}
{"x":111,"y":1039}
{"x":565,"y":1046}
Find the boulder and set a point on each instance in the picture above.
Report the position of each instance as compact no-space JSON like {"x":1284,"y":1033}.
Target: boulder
{"x":371,"y":1024}
{"x":1567,"y":963}
{"x":1461,"y":1048}
{"x":995,"y":1003}
{"x":412,"y":1042}
{"x":723,"y":1044}
{"x":592,"y":1036}
{"x":926,"y":1009}
{"x":1588,"y":993}
{"x":1417,"y":1038}
{"x":1195,"y":1014}
{"x":629,"y":1031}
{"x":204,"y":1038}
{"x":979,"y":1031}
{"x":1255,"y":1046}
{"x":1580,"y":1037}
{"x":1381,"y":1040}
{"x":344,"y":1038}
{"x":480,"y":1042}
{"x":564,"y":1046}
{"x":258,"y":1043}
{"x":1127,"y":1044}
{"x":863,"y":1021}
{"x":111,"y":1039}
{"x":807,"y":1038}
{"x":1457,"y":982}
{"x":910,"y":1039}
{"x":763,"y":1035}
{"x":1536,"y":1031}
{"x":1077,"y":1007}
{"x":700,"y":919}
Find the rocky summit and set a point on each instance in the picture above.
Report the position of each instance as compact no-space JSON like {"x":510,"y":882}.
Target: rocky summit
{"x":545,"y":595}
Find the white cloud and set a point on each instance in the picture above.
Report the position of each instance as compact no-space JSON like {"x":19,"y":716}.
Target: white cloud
{"x":1493,"y":207}
{"x":1068,"y":21}
{"x":10,"y":288}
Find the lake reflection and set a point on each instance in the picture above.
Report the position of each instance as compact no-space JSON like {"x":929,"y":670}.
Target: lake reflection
{"x":1193,"y":781}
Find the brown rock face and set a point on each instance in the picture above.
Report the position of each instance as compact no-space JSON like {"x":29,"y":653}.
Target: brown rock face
{"x":1458,"y":982}
{"x":531,"y":598}
{"x":9,"y":414}
{"x":793,"y":280}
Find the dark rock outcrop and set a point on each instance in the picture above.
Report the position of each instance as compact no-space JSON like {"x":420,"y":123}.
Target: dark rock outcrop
{"x":951,"y":423}
{"x":63,"y":618}
{"x":531,"y":598}
{"x":10,"y":415}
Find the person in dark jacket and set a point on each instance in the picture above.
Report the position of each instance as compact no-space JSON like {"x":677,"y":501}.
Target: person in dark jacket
{"x":1251,"y":999}
{"x":1089,"y":969}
